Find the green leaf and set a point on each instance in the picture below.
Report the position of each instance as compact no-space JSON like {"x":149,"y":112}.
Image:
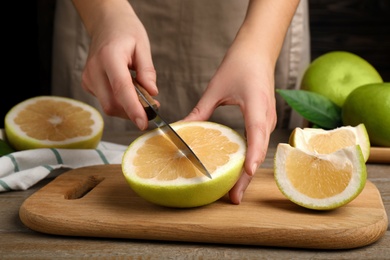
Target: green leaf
{"x":5,"y":148}
{"x":314,"y":107}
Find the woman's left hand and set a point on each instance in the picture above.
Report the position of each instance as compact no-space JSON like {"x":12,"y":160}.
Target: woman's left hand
{"x":245,"y":80}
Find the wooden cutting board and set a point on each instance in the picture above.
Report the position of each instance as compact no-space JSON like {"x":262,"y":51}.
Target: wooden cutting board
{"x":379,"y":155}
{"x":97,"y":202}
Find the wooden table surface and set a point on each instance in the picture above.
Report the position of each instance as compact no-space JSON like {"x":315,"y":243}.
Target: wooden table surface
{"x":19,"y":242}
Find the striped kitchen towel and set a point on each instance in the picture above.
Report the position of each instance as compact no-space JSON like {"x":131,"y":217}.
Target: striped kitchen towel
{"x":21,"y":170}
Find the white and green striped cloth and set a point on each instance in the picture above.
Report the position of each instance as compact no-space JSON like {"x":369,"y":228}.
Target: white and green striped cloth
{"x":21,"y":170}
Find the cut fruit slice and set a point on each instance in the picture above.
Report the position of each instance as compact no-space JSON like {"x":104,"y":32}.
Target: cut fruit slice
{"x":322,"y":141}
{"x":158,"y":172}
{"x":53,"y":122}
{"x":320,"y":181}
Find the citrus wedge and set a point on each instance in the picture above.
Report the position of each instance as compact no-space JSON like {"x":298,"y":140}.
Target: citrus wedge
{"x":322,"y":141}
{"x":320,"y":181}
{"x":53,"y":122}
{"x":158,"y":172}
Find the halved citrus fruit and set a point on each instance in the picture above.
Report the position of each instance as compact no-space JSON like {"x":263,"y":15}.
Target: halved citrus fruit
{"x":53,"y":122}
{"x":320,"y":181}
{"x":322,"y":141}
{"x":158,"y":172}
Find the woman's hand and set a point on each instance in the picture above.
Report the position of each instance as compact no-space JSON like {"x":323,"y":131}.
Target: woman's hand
{"x":245,"y":80}
{"x":119,"y":43}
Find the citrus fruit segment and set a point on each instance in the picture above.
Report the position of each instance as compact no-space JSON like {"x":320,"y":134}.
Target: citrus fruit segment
{"x":53,"y":122}
{"x":158,"y":172}
{"x":320,"y":141}
{"x":320,"y":181}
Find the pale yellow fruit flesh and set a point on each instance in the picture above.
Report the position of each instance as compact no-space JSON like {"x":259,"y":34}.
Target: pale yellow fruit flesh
{"x":320,"y":181}
{"x":159,"y":173}
{"x":315,"y":177}
{"x":169,"y":163}
{"x":328,"y":141}
{"x":331,"y":142}
{"x":53,"y":122}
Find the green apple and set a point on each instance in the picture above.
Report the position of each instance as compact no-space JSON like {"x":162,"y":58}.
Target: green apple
{"x":370,"y":105}
{"x":335,"y":74}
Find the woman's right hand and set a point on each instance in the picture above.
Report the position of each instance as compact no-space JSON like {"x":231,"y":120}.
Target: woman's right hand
{"x":119,"y":43}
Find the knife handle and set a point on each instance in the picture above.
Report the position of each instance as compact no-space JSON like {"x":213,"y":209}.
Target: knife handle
{"x":150,"y":112}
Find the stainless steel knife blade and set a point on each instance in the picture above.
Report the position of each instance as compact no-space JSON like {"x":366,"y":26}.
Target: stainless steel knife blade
{"x":153,"y":115}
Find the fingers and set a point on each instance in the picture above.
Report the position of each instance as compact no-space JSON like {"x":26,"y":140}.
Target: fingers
{"x":146,"y":74}
{"x":114,"y":50}
{"x":257,"y":140}
{"x":123,"y":91}
{"x":237,"y":192}
{"x":258,"y":129}
{"x":113,"y":86}
{"x":203,"y":109}
{"x":260,"y":120}
{"x":96,"y":82}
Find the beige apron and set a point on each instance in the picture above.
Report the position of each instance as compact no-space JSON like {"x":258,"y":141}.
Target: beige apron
{"x":188,"y":41}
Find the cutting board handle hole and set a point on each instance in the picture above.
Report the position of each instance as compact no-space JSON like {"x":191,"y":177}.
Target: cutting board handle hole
{"x":83,"y":187}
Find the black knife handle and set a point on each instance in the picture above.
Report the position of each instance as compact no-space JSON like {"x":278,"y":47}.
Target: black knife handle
{"x":150,"y":112}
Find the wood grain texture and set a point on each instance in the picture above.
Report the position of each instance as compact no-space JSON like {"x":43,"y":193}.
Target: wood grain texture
{"x":96,"y":202}
{"x":379,"y":155}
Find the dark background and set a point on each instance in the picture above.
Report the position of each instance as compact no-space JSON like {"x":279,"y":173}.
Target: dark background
{"x":358,"y":26}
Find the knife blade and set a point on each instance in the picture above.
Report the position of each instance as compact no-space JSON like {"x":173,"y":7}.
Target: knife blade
{"x":151,"y":110}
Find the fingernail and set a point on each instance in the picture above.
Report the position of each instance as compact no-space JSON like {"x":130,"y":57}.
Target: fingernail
{"x":140,"y":123}
{"x":254,"y":169}
{"x":155,"y":87}
{"x":240,"y":196}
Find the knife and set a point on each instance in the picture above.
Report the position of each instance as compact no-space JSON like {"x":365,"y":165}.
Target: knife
{"x":151,"y":111}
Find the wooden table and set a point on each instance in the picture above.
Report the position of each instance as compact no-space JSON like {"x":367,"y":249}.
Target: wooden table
{"x":17,"y":241}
